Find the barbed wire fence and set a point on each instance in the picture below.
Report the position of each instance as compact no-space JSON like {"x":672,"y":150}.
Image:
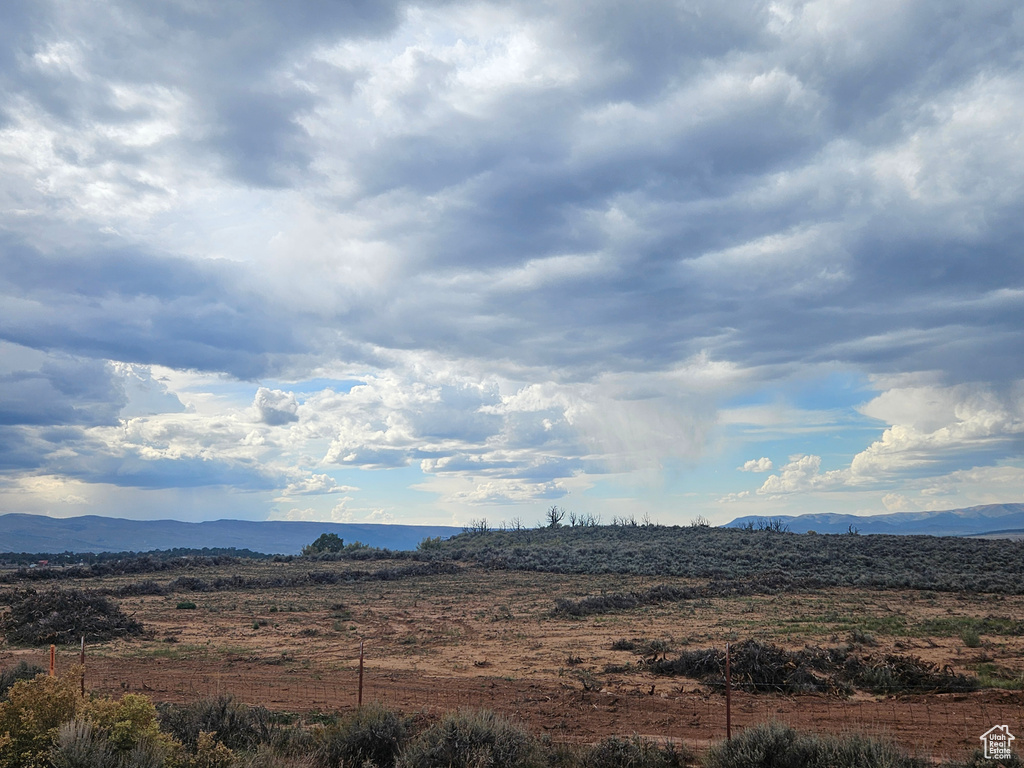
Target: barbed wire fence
{"x":936,"y":725}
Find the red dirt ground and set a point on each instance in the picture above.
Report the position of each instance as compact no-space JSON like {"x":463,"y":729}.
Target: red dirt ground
{"x":483,"y":639}
{"x":940,"y":726}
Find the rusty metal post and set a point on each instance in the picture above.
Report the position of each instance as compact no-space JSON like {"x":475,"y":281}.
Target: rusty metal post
{"x":728,"y":697}
{"x":53,"y":660}
{"x":81,"y":661}
{"x":359,"y":701}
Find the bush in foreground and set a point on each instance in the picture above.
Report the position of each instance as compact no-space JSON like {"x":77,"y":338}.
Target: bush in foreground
{"x":45,"y":723}
{"x":372,"y":735}
{"x":773,"y":745}
{"x":472,"y":738}
{"x":237,"y":726}
{"x":616,"y":752}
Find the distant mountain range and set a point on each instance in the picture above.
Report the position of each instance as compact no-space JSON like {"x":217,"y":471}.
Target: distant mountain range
{"x":1001,"y":519}
{"x":91,"y":533}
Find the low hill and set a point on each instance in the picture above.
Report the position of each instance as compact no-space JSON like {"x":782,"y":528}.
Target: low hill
{"x":742,"y":559}
{"x":92,"y":533}
{"x":972,"y":521}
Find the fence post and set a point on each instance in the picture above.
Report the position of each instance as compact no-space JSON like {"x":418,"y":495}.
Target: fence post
{"x":359,"y":700}
{"x":728,"y":697}
{"x":53,"y":660}
{"x":82,"y":662}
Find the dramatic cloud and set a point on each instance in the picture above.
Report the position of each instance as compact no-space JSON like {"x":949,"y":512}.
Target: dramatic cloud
{"x":276,"y":407}
{"x":500,"y":254}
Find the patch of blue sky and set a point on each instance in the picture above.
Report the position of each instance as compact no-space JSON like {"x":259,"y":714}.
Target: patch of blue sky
{"x":843,"y":436}
{"x":834,"y":391}
{"x":393,"y":487}
{"x":312,"y":386}
{"x":224,"y":388}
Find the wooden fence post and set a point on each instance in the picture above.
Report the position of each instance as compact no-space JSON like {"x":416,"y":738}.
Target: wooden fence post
{"x":53,"y":660}
{"x":82,"y":662}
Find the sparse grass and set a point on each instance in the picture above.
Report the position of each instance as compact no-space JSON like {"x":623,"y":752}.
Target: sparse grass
{"x":994,"y":676}
{"x":174,"y":651}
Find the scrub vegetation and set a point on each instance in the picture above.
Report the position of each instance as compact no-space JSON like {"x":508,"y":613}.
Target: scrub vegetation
{"x":44,"y":723}
{"x":589,"y":633}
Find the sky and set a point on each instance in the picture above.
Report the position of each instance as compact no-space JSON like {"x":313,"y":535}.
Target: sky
{"x":446,"y":262}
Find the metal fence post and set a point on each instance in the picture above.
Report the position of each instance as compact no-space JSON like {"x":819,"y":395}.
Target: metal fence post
{"x":359,"y":701}
{"x":728,"y":697}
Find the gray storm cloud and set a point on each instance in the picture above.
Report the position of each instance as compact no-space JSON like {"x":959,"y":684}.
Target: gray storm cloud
{"x":558,"y":198}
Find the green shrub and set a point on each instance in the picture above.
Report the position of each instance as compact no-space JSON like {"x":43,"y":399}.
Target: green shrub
{"x":471,"y":738}
{"x":236,"y":725}
{"x":970,"y":637}
{"x":186,"y":605}
{"x":210,"y":752}
{"x":429,"y":543}
{"x":615,"y":752}
{"x":774,"y":745}
{"x":30,"y":717}
{"x":125,"y":722}
{"x":372,"y":734}
{"x":45,"y":722}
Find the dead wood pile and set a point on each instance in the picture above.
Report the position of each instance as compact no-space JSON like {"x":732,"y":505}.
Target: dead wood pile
{"x":763,"y":667}
{"x":61,"y":616}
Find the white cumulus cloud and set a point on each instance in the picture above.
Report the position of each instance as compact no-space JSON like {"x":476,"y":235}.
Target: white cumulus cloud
{"x":275,"y":407}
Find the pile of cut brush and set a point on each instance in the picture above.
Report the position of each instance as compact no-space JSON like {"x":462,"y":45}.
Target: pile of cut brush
{"x":63,"y":616}
{"x":763,"y":667}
